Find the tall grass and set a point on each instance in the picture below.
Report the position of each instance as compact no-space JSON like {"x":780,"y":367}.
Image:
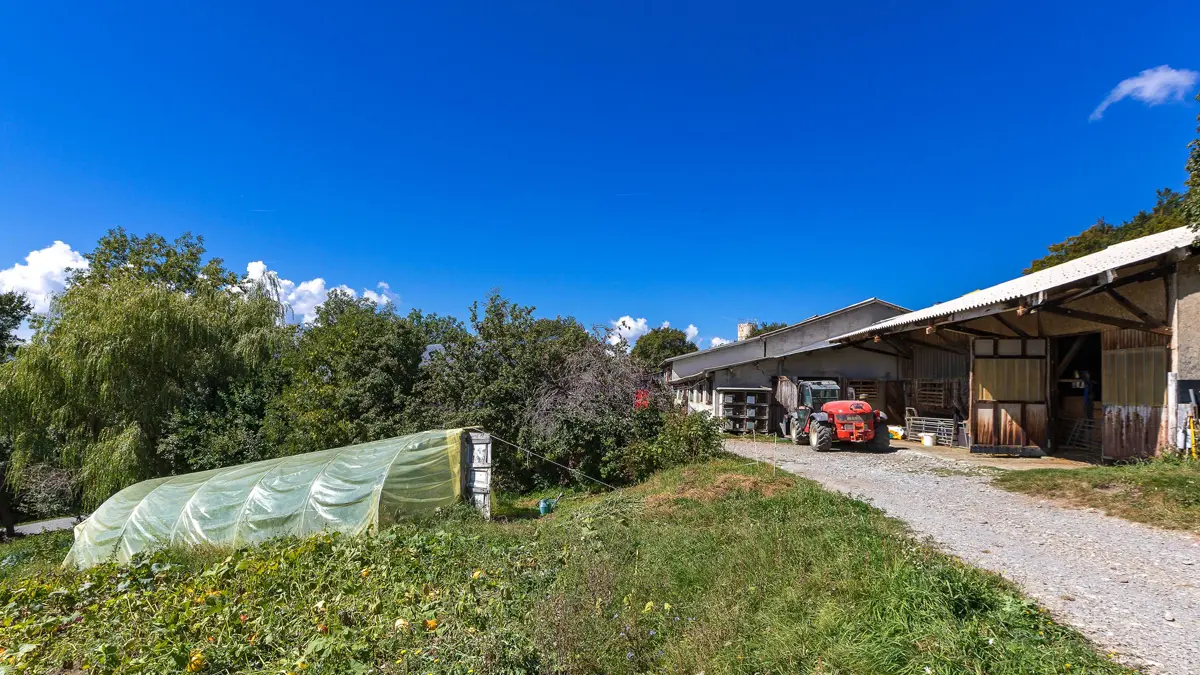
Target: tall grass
{"x":716,"y":567}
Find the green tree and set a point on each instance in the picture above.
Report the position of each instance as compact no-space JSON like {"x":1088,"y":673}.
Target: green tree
{"x":760,"y":328}
{"x":145,"y":329}
{"x":350,"y":377}
{"x":14,"y":308}
{"x":491,"y":377}
{"x":661,"y":344}
{"x":1191,"y":206}
{"x":1167,"y":214}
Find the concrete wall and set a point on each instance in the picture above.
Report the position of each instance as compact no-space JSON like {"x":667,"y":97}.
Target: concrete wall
{"x":781,"y":342}
{"x":1187,"y":320}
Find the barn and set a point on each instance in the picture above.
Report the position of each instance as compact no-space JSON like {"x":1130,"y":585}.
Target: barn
{"x":750,"y":384}
{"x":1098,"y":357}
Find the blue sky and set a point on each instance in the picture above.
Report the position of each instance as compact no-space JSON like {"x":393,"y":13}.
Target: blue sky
{"x":693,"y":162}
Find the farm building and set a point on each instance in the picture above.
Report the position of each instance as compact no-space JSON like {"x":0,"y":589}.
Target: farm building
{"x":750,"y":384}
{"x":1097,"y":356}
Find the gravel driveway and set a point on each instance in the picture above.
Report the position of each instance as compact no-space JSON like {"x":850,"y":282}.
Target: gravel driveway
{"x":1132,"y":589}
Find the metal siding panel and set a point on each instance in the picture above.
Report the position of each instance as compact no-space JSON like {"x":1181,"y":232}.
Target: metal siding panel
{"x":1129,"y":339}
{"x":1036,"y":424}
{"x":1132,"y":431}
{"x":983,"y":425}
{"x":1009,"y":426}
{"x":1009,"y":380}
{"x":936,"y":364}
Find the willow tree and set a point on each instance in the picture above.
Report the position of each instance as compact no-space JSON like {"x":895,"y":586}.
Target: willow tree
{"x":145,"y":327}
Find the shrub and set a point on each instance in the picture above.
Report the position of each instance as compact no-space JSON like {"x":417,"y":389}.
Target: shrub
{"x":681,"y":439}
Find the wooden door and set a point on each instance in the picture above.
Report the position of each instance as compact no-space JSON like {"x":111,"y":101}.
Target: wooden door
{"x":1008,"y":395}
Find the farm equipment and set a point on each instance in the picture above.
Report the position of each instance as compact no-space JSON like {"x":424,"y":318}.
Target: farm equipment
{"x":821,"y":418}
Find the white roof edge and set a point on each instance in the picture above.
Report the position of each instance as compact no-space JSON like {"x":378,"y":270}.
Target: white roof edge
{"x":810,"y":319}
{"x":1116,"y":256}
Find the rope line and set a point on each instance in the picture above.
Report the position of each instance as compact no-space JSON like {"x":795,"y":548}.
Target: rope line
{"x":564,"y":466}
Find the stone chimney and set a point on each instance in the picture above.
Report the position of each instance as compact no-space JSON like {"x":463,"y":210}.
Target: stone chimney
{"x":744,"y":330}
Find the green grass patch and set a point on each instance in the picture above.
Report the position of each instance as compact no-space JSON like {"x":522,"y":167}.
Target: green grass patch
{"x":719,"y":567}
{"x":1164,"y":492}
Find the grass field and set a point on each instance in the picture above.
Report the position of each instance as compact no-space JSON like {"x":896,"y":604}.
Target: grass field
{"x":718,"y":567}
{"x":1164,"y":493}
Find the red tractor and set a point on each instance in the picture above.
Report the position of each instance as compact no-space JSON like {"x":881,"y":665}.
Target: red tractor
{"x":821,"y":418}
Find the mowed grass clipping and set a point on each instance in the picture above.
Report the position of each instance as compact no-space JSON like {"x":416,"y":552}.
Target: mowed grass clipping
{"x":718,"y":567}
{"x":1163,"y":492}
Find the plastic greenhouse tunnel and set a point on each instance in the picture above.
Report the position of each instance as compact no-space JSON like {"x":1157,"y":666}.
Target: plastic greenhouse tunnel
{"x":353,"y":490}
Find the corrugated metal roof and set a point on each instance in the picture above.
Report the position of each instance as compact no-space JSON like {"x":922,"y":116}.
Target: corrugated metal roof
{"x":823,"y":344}
{"x":760,"y":337}
{"x":1113,"y":257}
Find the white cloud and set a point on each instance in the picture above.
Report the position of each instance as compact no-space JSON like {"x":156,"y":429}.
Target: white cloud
{"x":43,"y":274}
{"x":691,"y":332}
{"x":1152,"y":87}
{"x":304,"y":298}
{"x":383,"y":295}
{"x":629,"y":328}
{"x":717,"y":342}
{"x":665,"y":324}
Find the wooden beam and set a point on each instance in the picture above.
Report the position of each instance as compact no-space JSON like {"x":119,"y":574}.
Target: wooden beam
{"x":1066,"y":358}
{"x":1133,"y":309}
{"x":877,"y":351}
{"x":900,"y":349}
{"x":1106,"y":320}
{"x":1009,"y":325}
{"x":953,"y":349}
{"x":974,"y":332}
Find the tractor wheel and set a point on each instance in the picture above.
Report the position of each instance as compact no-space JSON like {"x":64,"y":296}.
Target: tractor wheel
{"x":820,"y":437}
{"x":882,"y":440}
{"x":798,"y":435}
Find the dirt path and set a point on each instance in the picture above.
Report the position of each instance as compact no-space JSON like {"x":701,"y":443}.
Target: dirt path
{"x":1132,"y":589}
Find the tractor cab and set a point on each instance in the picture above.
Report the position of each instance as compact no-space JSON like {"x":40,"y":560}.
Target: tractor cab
{"x":811,"y":396}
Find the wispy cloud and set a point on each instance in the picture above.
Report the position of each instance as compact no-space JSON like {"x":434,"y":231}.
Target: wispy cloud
{"x":717,"y":341}
{"x":1153,"y":86}
{"x":382,"y":295}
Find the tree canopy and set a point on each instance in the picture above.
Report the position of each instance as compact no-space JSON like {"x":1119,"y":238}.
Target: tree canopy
{"x":1167,"y":214}
{"x":661,"y":344}
{"x":157,"y":360}
{"x":760,"y":328}
{"x":130,"y":341}
{"x":1191,"y":202}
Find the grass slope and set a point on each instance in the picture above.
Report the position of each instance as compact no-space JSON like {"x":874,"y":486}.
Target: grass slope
{"x":717,"y":567}
{"x":1164,"y":493}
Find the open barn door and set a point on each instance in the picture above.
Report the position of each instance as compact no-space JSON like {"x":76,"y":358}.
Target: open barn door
{"x":1008,"y":396}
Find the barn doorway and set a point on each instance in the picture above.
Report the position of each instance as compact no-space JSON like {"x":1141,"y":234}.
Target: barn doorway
{"x":1078,"y":391}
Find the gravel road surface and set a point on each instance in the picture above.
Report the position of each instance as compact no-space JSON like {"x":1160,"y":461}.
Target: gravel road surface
{"x":46,"y":526}
{"x":1132,"y":589}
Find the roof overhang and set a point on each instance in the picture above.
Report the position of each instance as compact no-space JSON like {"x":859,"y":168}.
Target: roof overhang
{"x":1049,"y":290}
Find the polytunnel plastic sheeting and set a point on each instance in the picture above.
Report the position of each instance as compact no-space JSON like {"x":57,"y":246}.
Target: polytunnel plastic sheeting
{"x":348,"y":490}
